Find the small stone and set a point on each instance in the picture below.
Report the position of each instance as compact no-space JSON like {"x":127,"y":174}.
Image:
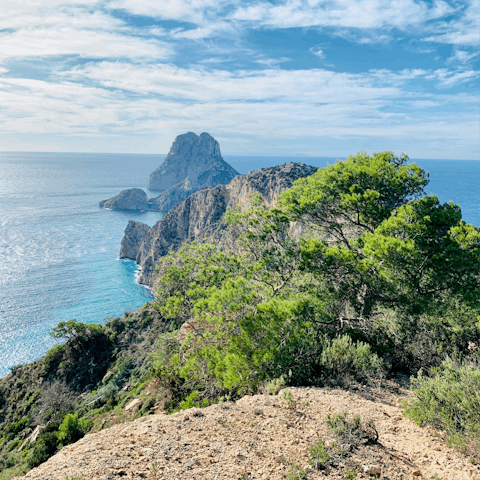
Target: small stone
{"x":417,"y":473}
{"x":372,"y":470}
{"x":137,"y":402}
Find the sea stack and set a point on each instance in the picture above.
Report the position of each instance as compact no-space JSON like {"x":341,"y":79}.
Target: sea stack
{"x":194,"y":162}
{"x":134,"y":234}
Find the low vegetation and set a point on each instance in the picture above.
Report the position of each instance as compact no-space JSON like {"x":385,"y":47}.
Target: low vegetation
{"x":449,"y":399}
{"x":79,"y":386}
{"x":356,"y":275}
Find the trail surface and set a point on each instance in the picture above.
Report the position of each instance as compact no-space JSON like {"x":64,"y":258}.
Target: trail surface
{"x":258,"y":437}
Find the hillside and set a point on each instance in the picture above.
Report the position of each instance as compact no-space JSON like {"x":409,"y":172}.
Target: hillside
{"x":261,"y":437}
{"x":349,"y":277}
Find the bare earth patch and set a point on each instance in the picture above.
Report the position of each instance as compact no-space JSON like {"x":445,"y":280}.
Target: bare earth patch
{"x":259,"y":437}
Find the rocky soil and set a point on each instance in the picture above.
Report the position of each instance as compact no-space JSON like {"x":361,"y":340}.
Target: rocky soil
{"x":261,"y":437}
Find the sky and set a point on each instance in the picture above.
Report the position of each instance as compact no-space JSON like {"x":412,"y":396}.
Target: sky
{"x":283,"y":77}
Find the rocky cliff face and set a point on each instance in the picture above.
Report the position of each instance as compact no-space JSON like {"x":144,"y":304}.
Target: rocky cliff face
{"x":134,"y":234}
{"x":200,"y":215}
{"x":194,"y":162}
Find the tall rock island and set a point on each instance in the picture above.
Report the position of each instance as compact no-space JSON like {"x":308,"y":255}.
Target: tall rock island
{"x":194,"y":162}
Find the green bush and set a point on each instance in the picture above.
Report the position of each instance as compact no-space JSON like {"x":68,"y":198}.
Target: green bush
{"x":275,"y":385}
{"x":318,"y":454}
{"x":190,"y":401}
{"x":44,"y":449}
{"x":71,"y":429}
{"x":354,"y":431}
{"x":343,"y":359}
{"x":296,"y":473}
{"x":449,"y":399}
{"x":17,"y":427}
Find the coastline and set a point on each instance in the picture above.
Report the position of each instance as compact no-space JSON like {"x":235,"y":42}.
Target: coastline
{"x":136,"y":274}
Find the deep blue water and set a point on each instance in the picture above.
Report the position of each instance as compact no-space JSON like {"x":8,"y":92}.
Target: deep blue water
{"x":59,"y":251}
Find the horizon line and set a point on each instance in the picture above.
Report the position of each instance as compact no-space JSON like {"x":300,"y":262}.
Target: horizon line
{"x":252,"y":155}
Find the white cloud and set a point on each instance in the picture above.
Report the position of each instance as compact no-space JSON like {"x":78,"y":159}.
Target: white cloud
{"x":358,"y":14}
{"x":318,"y":52}
{"x":353,"y":112}
{"x":57,"y":28}
{"x":43,"y":42}
{"x":193,"y":11}
{"x":198,"y":84}
{"x":272,"y":62}
{"x":269,"y":103}
{"x":423,"y":104}
{"x":462,"y":57}
{"x":463,"y":30}
{"x":207,"y":31}
{"x":449,"y":78}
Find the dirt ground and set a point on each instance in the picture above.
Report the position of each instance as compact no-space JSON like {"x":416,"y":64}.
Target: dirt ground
{"x":261,"y":437}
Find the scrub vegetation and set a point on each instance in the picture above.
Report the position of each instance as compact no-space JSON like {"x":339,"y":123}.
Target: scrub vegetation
{"x":355,"y":275}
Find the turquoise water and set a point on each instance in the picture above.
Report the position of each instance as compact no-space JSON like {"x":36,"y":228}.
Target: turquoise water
{"x":59,"y":251}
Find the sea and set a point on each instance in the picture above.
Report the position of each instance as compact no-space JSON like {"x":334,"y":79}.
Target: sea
{"x":59,"y":250}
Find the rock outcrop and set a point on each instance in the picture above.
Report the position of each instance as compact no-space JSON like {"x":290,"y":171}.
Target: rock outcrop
{"x":131,"y":199}
{"x":134,"y":234}
{"x":200,"y":215}
{"x":194,"y":162}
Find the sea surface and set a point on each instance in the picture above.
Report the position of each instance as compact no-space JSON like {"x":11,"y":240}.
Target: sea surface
{"x":59,"y":251}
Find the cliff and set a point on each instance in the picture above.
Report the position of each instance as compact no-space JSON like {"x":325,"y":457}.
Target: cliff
{"x":134,"y":234}
{"x":194,"y":162}
{"x":200,"y":215}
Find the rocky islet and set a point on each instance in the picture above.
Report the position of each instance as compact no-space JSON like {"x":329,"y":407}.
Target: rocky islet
{"x":194,"y":162}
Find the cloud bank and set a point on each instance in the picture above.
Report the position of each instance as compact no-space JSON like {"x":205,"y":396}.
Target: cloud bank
{"x":296,"y":76}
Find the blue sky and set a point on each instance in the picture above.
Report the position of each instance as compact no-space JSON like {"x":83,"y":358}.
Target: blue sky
{"x":286,"y":77}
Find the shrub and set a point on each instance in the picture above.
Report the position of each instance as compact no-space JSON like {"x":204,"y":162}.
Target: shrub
{"x":72,"y":330}
{"x":55,"y":398}
{"x":450,"y":399}
{"x":17,"y":427}
{"x":288,"y":397}
{"x":71,"y":429}
{"x":352,"y":432}
{"x":44,"y":449}
{"x":274,"y":386}
{"x":342,"y":359}
{"x":350,"y":472}
{"x":190,"y":401}
{"x":297,"y":473}
{"x":318,"y":454}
